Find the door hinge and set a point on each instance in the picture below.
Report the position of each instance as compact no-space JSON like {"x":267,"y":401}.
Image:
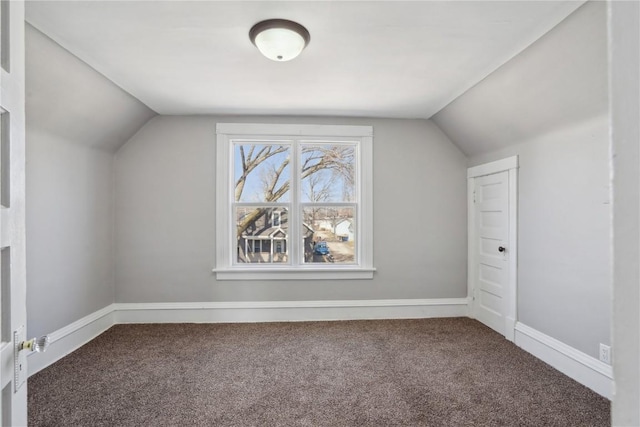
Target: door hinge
{"x":474,"y":197}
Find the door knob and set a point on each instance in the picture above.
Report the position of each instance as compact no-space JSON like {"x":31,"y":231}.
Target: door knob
{"x":501,"y":249}
{"x":35,"y":344}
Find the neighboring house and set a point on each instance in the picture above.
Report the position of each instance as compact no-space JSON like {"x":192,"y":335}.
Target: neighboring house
{"x":324,"y":224}
{"x":344,"y":230}
{"x":266,"y":238}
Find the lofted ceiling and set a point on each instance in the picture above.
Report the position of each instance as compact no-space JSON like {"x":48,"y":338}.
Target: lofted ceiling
{"x":366,"y":58}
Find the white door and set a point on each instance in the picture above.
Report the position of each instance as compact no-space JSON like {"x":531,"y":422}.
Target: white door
{"x":13,"y":400}
{"x":491,"y":238}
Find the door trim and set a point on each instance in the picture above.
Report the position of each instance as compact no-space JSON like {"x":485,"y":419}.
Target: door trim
{"x":511,"y":165}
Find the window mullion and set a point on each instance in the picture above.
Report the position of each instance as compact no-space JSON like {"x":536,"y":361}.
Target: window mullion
{"x":295,"y":212}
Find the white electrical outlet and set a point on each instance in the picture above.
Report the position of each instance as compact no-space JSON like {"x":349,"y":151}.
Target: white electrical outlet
{"x":605,"y":354}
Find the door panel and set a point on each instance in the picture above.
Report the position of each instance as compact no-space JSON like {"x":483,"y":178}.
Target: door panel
{"x":492,"y":232}
{"x":13,"y":403}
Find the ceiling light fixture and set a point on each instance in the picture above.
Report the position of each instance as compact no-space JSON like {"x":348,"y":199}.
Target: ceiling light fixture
{"x":279,"y":39}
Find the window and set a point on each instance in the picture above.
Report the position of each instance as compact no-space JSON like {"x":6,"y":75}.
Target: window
{"x":275,"y":218}
{"x":294,"y":202}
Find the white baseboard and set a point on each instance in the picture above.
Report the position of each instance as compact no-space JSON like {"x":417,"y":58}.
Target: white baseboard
{"x":75,"y":335}
{"x":289,"y":311}
{"x":581,"y":367}
{"x":585,"y":369}
{"x":71,"y":337}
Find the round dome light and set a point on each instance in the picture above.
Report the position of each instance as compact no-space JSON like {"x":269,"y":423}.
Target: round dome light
{"x":279,"y":39}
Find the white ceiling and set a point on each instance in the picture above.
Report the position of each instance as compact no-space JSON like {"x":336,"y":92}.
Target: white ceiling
{"x":366,"y":58}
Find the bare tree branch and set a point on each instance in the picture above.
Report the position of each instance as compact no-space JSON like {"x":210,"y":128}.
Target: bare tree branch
{"x":250,"y":163}
{"x":338,"y":159}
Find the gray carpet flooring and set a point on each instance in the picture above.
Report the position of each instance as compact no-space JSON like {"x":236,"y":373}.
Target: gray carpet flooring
{"x":432,"y":372}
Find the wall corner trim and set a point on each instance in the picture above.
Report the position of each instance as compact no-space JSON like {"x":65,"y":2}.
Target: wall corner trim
{"x":585,"y":369}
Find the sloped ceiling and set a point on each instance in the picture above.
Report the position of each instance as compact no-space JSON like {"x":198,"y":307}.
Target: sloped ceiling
{"x":559,"y":80}
{"x":67,"y":99}
{"x":366,"y":58}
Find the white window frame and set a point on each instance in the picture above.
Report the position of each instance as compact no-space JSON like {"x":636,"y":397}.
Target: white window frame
{"x":226,"y":244}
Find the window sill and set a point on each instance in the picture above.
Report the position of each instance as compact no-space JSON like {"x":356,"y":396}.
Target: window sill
{"x":294,"y":273}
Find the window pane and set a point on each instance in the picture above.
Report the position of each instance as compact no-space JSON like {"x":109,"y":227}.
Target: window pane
{"x":262,"y":234}
{"x":261,"y":172}
{"x":328,"y":173}
{"x":329,"y":235}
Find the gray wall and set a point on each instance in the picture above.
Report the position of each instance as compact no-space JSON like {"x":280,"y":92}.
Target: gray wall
{"x":69,"y":231}
{"x":564,"y":251}
{"x":625,"y":93}
{"x":76,"y":119}
{"x":165,"y":216}
{"x":549,"y":105}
